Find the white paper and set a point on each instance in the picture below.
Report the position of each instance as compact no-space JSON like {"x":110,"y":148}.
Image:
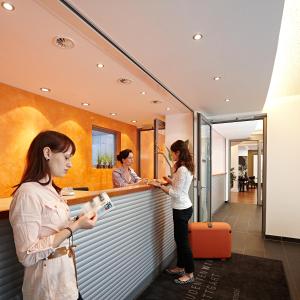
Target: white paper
{"x":100,"y":204}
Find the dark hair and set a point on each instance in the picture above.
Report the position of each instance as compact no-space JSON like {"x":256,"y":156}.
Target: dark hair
{"x":185,"y":157}
{"x":36,"y":164}
{"x":123,"y":155}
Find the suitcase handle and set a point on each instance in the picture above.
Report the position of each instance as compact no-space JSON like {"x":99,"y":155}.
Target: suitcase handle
{"x":209,"y":224}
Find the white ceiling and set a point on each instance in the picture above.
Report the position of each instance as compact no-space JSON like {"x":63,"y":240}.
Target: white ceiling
{"x":29,"y":60}
{"x":239,"y":44}
{"x":239,"y":130}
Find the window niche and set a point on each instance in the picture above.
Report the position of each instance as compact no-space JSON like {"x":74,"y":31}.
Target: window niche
{"x":104,"y":147}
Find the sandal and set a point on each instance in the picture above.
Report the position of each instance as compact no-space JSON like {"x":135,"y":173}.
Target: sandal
{"x":178,"y":281}
{"x":171,"y":272}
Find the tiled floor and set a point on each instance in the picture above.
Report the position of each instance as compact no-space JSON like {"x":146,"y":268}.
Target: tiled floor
{"x":245,"y":220}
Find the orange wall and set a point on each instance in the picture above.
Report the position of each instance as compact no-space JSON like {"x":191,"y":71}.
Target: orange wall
{"x":147,"y":154}
{"x":23,"y":115}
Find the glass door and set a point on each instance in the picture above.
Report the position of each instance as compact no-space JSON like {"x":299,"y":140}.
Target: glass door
{"x":204,"y":169}
{"x":159,"y":142}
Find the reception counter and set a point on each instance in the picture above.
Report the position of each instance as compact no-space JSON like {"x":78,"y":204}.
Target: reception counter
{"x":115,"y":260}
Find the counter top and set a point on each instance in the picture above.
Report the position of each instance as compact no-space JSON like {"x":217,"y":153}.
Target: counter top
{"x":82,"y":196}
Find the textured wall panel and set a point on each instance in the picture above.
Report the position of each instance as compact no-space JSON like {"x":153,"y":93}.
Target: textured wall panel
{"x":218,"y":192}
{"x":115,"y":257}
{"x":11,"y":271}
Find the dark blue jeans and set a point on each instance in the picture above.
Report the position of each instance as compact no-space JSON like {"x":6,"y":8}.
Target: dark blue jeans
{"x":184,"y":254}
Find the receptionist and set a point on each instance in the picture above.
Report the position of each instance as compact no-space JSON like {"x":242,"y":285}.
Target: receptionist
{"x":125,"y":175}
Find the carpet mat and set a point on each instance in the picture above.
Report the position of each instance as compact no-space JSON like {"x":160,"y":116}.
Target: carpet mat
{"x":241,"y":277}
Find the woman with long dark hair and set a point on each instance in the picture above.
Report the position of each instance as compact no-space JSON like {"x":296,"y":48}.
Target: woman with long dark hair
{"x":41,"y":221}
{"x":125,"y":175}
{"x":182,"y":210}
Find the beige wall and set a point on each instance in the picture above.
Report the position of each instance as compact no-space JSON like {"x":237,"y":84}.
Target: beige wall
{"x":283,"y":165}
{"x":218,"y":159}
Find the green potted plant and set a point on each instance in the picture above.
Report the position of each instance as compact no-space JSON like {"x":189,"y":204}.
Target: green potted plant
{"x":105,"y":160}
{"x":98,"y":166}
{"x":110,"y":161}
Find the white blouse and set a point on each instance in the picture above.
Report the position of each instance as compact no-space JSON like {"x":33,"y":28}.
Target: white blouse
{"x":179,"y":190}
{"x":36,"y":213}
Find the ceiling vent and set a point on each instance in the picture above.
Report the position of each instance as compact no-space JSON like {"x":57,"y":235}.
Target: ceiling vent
{"x":124,"y":81}
{"x":63,"y":43}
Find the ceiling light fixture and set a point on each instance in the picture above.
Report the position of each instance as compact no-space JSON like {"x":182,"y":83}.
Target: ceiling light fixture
{"x":85,"y":104}
{"x":43,"y":89}
{"x":63,"y":42}
{"x":143,"y":93}
{"x":155,"y":102}
{"x":197,"y":36}
{"x":113,"y":114}
{"x":168,"y":108}
{"x":133,"y":121}
{"x":227,"y":100}
{"x":100,"y":66}
{"x":124,"y":81}
{"x":217,"y":78}
{"x":7,"y":6}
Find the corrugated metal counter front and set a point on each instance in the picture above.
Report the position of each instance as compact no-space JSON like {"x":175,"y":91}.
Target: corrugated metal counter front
{"x":117,"y":258}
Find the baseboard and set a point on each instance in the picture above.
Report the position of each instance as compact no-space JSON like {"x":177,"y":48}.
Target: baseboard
{"x":281,"y":238}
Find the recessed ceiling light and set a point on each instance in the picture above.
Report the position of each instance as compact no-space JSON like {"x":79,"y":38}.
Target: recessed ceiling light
{"x":7,"y":6}
{"x":227,"y":100}
{"x":143,"y":93}
{"x":100,"y":66}
{"x":43,"y":89}
{"x":197,"y":36}
{"x":168,"y":108}
{"x":133,"y":121}
{"x":113,"y":114}
{"x":85,"y":104}
{"x":217,"y":78}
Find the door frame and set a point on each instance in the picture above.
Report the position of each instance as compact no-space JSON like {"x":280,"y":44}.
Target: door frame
{"x":258,"y":191}
{"x":158,"y":125}
{"x":198,"y":185}
{"x":264,"y":189}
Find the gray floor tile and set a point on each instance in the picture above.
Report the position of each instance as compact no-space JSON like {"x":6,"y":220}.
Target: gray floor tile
{"x":231,"y":220}
{"x":274,"y":250}
{"x":253,"y":252}
{"x":238,"y":242}
{"x":241,"y":225}
{"x":254,"y":242}
{"x":245,"y":220}
{"x":292,"y":251}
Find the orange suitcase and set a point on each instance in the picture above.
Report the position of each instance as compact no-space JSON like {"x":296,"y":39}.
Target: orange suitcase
{"x":210,"y":240}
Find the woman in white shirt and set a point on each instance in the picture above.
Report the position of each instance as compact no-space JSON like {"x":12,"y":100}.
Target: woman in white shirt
{"x":41,"y":221}
{"x":182,"y":210}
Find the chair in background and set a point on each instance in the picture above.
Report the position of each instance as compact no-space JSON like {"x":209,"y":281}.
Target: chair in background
{"x":252,"y":183}
{"x":243,"y":183}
